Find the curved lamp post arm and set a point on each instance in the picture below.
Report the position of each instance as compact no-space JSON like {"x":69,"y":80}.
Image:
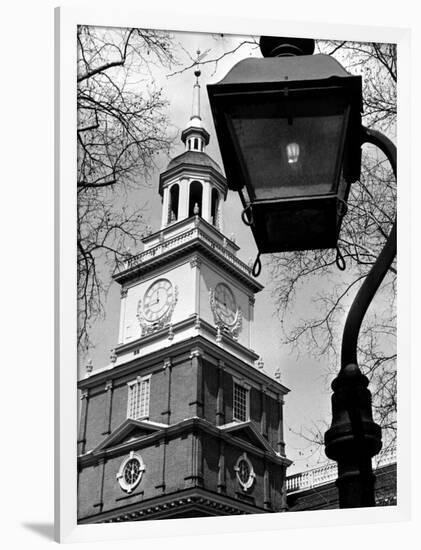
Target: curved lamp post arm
{"x":377,"y":273}
{"x":354,"y":438}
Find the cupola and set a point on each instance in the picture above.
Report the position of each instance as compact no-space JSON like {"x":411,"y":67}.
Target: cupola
{"x":193,"y":183}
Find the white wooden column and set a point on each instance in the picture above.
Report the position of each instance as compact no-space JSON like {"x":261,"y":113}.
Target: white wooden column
{"x":123,"y":297}
{"x":183,"y":203}
{"x":206,"y":201}
{"x":165,"y":204}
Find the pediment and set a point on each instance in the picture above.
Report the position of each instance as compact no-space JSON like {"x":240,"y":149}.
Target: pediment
{"x":248,"y":433}
{"x":246,"y":436}
{"x":129,"y":430}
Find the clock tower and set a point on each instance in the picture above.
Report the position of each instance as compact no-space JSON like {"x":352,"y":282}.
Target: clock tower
{"x":183,"y":421}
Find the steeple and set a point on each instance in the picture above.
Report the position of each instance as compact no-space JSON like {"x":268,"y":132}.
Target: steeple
{"x":194,"y":136}
{"x":193,"y":183}
{"x":196,"y":97}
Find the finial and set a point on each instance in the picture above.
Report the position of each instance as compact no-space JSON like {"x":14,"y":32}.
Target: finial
{"x":113,"y":355}
{"x":196,"y":209}
{"x":260,"y":363}
{"x":274,"y":46}
{"x":89,"y":366}
{"x":278,"y":374}
{"x":197,"y":72}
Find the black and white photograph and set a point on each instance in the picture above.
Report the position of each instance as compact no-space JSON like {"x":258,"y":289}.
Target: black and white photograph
{"x":236,"y":274}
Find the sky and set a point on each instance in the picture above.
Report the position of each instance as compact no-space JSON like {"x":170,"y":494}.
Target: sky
{"x":307,"y":406}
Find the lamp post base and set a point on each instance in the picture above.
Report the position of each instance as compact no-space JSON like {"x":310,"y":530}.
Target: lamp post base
{"x":353,"y":438}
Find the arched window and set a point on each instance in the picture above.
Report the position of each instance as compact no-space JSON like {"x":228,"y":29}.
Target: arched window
{"x":195,"y":198}
{"x":196,"y":144}
{"x":215,"y":208}
{"x":173,"y":203}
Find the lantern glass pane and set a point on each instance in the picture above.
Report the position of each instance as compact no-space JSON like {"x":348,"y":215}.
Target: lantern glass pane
{"x":293,"y":152}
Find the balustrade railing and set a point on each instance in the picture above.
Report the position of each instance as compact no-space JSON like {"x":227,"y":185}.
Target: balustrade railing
{"x":311,"y":478}
{"x":195,"y":233}
{"x":329,"y":472}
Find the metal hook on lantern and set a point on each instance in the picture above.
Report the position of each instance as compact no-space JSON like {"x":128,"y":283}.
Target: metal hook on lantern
{"x":257,"y":267}
{"x":340,"y":260}
{"x":247,"y":216}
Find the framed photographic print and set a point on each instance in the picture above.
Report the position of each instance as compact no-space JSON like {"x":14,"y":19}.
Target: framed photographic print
{"x":227,"y":202}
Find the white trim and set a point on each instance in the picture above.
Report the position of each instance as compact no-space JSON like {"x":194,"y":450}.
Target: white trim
{"x":343,"y":24}
{"x":128,"y":487}
{"x":249,"y":483}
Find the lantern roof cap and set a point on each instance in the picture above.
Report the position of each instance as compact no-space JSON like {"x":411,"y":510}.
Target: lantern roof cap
{"x":274,"y":46}
{"x":290,"y":69}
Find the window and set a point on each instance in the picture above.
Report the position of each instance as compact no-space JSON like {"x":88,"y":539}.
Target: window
{"x":241,"y":402}
{"x":173,"y":203}
{"x":245,"y":472}
{"x":138,"y":399}
{"x":195,"y":198}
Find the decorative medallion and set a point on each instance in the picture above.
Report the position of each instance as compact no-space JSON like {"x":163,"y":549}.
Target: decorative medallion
{"x":155,"y":310}
{"x":227,"y":315}
{"x":130,"y":472}
{"x":245,"y":472}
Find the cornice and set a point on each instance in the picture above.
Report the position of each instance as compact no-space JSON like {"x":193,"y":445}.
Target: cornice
{"x":185,"y":250}
{"x":174,"y":502}
{"x":180,"y":351}
{"x":185,"y":426}
{"x":161,"y":233}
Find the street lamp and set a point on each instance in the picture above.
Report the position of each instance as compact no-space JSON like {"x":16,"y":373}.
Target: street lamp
{"x":288,"y":130}
{"x":290,"y":134}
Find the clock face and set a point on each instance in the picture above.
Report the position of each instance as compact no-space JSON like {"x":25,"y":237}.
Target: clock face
{"x":243,"y":471}
{"x":131,"y":472}
{"x":225,"y":304}
{"x":158,"y":300}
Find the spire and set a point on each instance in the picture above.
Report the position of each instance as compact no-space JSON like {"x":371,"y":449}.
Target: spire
{"x":195,"y":136}
{"x":196,"y":97}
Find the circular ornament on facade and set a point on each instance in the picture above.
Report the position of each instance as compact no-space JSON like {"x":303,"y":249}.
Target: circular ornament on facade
{"x":225,"y":304}
{"x":245,"y":472}
{"x":130,"y":472}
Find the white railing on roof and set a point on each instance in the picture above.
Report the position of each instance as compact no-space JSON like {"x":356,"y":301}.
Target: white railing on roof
{"x":329,"y":472}
{"x":312,"y":478}
{"x":387,"y":456}
{"x":183,"y":238}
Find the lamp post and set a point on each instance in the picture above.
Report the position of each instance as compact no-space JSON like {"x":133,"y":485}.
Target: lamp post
{"x":290,"y":134}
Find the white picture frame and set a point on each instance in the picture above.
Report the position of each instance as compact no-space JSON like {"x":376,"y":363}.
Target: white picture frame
{"x":66,"y":21}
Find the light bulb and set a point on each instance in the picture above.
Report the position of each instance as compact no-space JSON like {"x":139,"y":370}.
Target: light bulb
{"x":293,"y":152}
